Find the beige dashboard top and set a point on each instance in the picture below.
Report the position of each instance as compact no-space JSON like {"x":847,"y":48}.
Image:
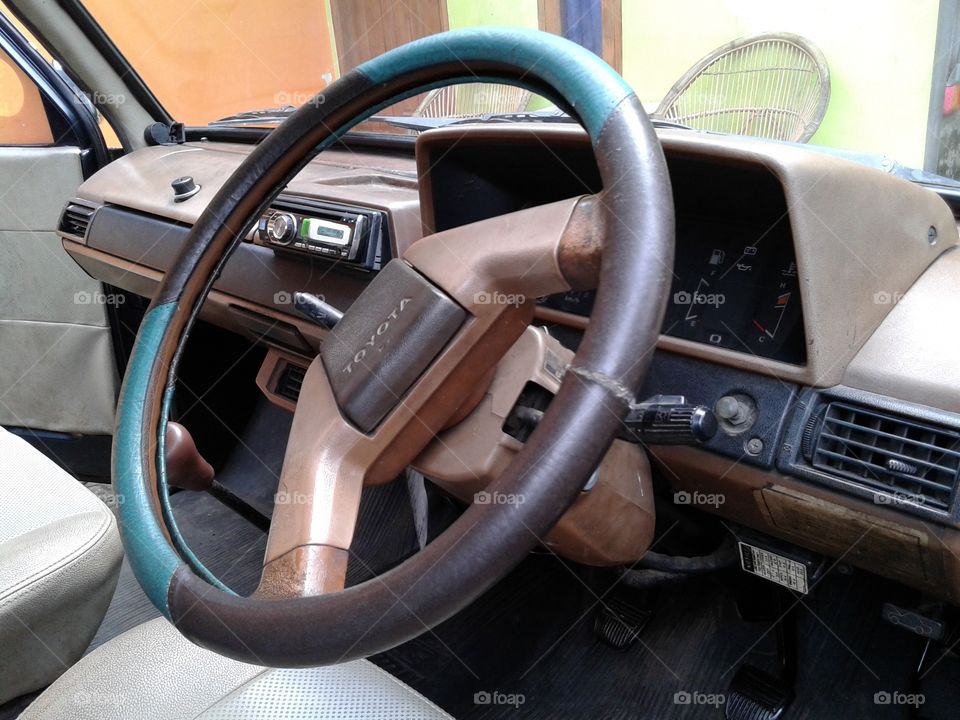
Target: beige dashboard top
{"x":141,"y":181}
{"x":861,"y":235}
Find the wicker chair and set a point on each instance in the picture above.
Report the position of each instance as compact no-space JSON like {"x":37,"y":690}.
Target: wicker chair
{"x":774,"y":85}
{"x":473,"y":100}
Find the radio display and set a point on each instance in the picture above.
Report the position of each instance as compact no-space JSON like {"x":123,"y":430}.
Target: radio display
{"x":324,"y":231}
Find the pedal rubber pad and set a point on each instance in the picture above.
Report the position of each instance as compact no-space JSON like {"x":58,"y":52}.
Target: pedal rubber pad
{"x":756,"y":695}
{"x":621,"y":618}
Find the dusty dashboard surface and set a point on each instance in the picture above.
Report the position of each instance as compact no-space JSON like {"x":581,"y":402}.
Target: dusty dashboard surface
{"x":784,"y":257}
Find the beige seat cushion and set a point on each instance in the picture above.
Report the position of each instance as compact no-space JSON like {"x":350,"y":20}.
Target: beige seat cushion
{"x":153,"y":673}
{"x":60,"y":556}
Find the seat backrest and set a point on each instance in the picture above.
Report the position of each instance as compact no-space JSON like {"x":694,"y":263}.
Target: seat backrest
{"x":774,"y":85}
{"x":473,"y":100}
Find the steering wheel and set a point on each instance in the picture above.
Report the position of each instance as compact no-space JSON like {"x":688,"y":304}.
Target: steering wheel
{"x":398,"y":366}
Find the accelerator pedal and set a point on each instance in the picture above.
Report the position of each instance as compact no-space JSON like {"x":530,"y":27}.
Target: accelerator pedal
{"x":756,"y":695}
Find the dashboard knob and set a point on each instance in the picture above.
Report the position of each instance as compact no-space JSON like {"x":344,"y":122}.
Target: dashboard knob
{"x":728,"y":408}
{"x":736,"y":412}
{"x":281,"y":228}
{"x":183,"y":188}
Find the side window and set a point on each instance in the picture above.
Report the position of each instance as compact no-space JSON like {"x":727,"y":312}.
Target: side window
{"x":23,"y":118}
{"x":32,"y":109}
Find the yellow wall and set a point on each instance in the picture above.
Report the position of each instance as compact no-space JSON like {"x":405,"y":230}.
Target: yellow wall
{"x":880,"y":55}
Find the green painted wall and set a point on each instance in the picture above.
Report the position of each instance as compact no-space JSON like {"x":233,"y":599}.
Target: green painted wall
{"x":468,"y":13}
{"x":880,"y":55}
{"x":517,"y":13}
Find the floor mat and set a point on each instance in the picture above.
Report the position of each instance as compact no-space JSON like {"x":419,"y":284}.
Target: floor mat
{"x":681,"y":667}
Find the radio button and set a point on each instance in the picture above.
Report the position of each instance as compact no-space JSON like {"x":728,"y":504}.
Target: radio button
{"x":281,"y":228}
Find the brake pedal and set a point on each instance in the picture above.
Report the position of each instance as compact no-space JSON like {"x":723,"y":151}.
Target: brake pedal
{"x":756,"y":695}
{"x":622,"y":617}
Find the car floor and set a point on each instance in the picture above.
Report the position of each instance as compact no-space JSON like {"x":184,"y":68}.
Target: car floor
{"x":527,"y":648}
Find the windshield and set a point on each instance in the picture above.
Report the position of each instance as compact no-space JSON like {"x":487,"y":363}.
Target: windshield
{"x":880,"y":78}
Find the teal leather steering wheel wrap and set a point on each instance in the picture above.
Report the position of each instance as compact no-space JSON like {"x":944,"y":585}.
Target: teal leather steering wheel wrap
{"x":634,"y":283}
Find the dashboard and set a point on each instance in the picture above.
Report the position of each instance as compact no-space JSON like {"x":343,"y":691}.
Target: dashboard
{"x":808,"y":288}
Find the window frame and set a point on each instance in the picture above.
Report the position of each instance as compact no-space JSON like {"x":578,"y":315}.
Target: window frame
{"x":72,"y":117}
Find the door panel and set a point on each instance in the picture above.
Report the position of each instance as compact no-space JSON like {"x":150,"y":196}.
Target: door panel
{"x":57,"y":367}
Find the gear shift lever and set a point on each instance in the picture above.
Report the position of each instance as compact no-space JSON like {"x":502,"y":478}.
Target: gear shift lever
{"x":186,"y":467}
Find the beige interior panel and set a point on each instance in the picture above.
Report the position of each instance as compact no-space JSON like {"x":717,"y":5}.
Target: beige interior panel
{"x":57,"y":368}
{"x":42,"y":283}
{"x":915,"y":353}
{"x":861,"y":235}
{"x":59,"y":382}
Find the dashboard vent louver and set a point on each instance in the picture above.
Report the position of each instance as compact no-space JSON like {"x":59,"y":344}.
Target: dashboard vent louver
{"x":912,"y":460}
{"x":76,"y":219}
{"x":290,"y":382}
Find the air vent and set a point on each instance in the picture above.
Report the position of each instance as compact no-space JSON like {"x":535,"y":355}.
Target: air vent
{"x":76,"y":219}
{"x":290,"y":382}
{"x":914,"y":461}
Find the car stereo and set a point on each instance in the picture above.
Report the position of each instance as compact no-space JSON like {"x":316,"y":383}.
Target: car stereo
{"x":327,"y":230}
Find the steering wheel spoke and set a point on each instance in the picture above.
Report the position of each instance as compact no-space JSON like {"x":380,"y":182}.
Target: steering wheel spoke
{"x":317,"y":499}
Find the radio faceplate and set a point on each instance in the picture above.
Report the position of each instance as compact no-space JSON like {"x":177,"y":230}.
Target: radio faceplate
{"x":327,"y":230}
